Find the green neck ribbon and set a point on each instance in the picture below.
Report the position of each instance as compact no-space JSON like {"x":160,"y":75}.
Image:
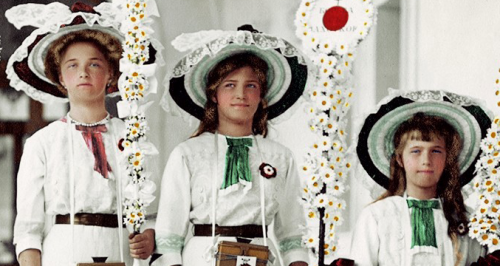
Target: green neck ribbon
{"x":422,"y":222}
{"x":237,"y":167}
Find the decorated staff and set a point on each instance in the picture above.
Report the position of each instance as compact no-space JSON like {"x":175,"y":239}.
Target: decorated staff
{"x":135,"y":84}
{"x":69,"y":182}
{"x":230,"y":180}
{"x":484,"y":223}
{"x":420,"y":148}
{"x":330,"y":31}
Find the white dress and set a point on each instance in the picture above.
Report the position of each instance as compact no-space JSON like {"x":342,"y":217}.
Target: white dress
{"x":186,"y":199}
{"x":44,"y":191}
{"x":383,"y":237}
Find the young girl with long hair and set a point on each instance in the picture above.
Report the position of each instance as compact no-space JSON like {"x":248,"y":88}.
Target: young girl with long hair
{"x":421,"y":218}
{"x":68,"y":182}
{"x":228,"y":181}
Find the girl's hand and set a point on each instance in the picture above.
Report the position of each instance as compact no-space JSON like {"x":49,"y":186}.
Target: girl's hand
{"x":298,"y":263}
{"x":30,"y":257}
{"x":142,"y":245}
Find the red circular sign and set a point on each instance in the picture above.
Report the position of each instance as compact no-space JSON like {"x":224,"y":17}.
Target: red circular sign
{"x":335,"y":18}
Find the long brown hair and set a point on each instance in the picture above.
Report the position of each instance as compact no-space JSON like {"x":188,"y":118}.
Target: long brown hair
{"x":426,"y":128}
{"x":210,"y":121}
{"x":109,"y":46}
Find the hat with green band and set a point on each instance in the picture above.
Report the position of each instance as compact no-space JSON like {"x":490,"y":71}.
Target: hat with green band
{"x":375,"y":141}
{"x":289,"y":71}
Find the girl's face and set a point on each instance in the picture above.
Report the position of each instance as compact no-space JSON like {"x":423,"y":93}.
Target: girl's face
{"x":423,"y":162}
{"x":84,"y":72}
{"x":238,"y":97}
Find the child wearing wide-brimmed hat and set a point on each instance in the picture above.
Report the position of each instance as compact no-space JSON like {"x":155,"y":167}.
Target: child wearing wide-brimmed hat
{"x":68,"y":186}
{"x":229,"y":181}
{"x":421,"y":147}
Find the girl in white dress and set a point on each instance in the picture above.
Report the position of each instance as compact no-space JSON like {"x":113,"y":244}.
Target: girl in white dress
{"x":229,"y":175}
{"x":421,"y":218}
{"x":70,"y":166}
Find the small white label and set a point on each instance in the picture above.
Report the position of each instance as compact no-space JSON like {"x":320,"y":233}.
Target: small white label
{"x":246,"y":261}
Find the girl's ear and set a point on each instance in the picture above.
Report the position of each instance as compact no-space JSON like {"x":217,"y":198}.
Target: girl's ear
{"x":399,"y":160}
{"x":61,"y":81}
{"x":214,"y":99}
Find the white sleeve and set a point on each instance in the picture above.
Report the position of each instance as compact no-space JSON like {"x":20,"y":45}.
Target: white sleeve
{"x":173,"y":212}
{"x":365,"y":241}
{"x":290,"y":218}
{"x":30,"y":219}
{"x":152,"y":209}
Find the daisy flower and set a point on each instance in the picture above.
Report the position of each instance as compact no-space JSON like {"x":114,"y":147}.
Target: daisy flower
{"x":310,"y":109}
{"x":346,"y":65}
{"x":339,"y":73}
{"x":336,"y":188}
{"x":492,"y":135}
{"x":310,"y":241}
{"x":321,"y":201}
{"x":326,"y":46}
{"x":325,"y":71}
{"x":322,"y":163}
{"x":337,"y":218}
{"x":328,"y":176}
{"x":331,"y":127}
{"x":368,"y":10}
{"x":314,"y":185}
{"x":323,"y":103}
{"x":330,"y":61}
{"x":325,"y":82}
{"x":325,"y":143}
{"x":308,"y":167}
{"x":311,"y":41}
{"x":341,"y":48}
{"x":319,"y":58}
{"x":322,"y":119}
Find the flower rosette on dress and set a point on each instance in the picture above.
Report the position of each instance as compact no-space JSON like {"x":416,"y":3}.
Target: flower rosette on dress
{"x":330,"y":32}
{"x":267,"y":170}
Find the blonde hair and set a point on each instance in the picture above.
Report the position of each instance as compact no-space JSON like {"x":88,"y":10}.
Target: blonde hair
{"x":210,"y":121}
{"x":426,"y":128}
{"x":109,"y":46}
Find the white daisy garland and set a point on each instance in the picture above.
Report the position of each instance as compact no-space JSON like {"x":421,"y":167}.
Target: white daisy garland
{"x":484,"y":224}
{"x":326,"y":165}
{"x":135,"y":84}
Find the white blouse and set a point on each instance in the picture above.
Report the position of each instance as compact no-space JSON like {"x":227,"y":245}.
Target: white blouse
{"x":382,"y":236}
{"x":43,"y":182}
{"x":186,"y":196}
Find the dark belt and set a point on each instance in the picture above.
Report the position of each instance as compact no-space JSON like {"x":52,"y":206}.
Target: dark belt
{"x":94,"y":219}
{"x":249,"y":230}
